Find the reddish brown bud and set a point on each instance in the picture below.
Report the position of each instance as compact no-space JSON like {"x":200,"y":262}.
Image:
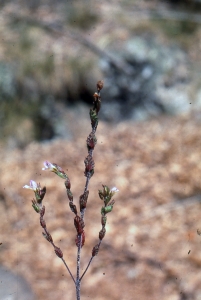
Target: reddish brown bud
{"x":83,"y":238}
{"x":89,"y":163}
{"x":67,"y":184}
{"x":83,"y":200}
{"x":42,"y":193}
{"x":48,"y":236}
{"x":100,"y":84}
{"x":42,"y":212}
{"x":96,"y":96}
{"x":91,"y":141}
{"x":95,"y":250}
{"x":58,"y":252}
{"x":102,"y":233}
{"x":70,"y":195}
{"x":78,"y":237}
{"x":73,"y":207}
{"x":79,"y":224}
{"x":42,"y":222}
{"x":97,"y":103}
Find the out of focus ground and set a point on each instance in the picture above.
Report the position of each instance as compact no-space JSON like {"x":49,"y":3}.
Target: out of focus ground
{"x":151,"y":249}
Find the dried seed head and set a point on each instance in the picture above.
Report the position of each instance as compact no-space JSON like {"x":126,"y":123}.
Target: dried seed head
{"x":58,"y":252}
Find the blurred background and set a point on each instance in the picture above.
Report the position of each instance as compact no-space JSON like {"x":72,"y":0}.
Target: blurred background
{"x":52,"y":53}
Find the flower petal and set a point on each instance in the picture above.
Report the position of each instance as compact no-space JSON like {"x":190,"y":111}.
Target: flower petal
{"x":33,"y":185}
{"x":114,"y":190}
{"x":26,"y":187}
{"x":48,"y":166}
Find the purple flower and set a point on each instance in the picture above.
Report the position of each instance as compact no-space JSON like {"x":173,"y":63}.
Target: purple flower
{"x":33,"y":186}
{"x":49,"y":166}
{"x":54,"y":168}
{"x":39,"y":192}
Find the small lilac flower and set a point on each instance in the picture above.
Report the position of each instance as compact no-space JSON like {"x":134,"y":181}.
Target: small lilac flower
{"x":114,"y":190}
{"x":49,"y":166}
{"x":54,"y":168}
{"x":33,"y":186}
{"x":39,"y":192}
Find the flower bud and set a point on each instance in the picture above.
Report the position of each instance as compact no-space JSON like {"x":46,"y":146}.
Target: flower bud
{"x":73,"y":207}
{"x":100,"y":84}
{"x":97,"y":103}
{"x":79,"y":224}
{"x":58,"y":252}
{"x":67,"y":183}
{"x":103,"y":220}
{"x":48,"y":237}
{"x":78,"y":239}
{"x":42,"y":211}
{"x":35,"y":206}
{"x":83,"y":200}
{"x":91,"y":141}
{"x":89,"y":163}
{"x":106,"y":210}
{"x":95,"y":250}
{"x":94,"y":118}
{"x":42,"y":193}
{"x":42,"y":222}
{"x":102,"y":233}
{"x":89,"y":166}
{"x":69,"y":194}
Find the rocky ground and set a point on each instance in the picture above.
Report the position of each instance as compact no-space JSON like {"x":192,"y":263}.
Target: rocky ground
{"x":151,"y":249}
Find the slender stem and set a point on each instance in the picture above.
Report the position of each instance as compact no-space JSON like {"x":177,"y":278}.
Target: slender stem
{"x":86,"y":267}
{"x":78,"y":267}
{"x":61,"y":258}
{"x":68,"y":269}
{"x":89,"y":262}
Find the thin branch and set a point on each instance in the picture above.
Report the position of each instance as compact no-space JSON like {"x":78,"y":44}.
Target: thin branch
{"x":89,"y":263}
{"x":46,"y":231}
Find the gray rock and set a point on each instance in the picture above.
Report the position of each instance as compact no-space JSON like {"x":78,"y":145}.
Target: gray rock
{"x":14,"y":287}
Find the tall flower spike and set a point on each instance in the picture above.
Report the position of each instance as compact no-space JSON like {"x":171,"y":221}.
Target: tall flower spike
{"x":54,"y":168}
